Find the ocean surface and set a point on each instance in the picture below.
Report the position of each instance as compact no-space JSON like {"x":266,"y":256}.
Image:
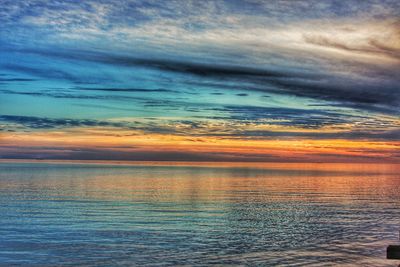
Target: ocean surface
{"x":170,"y":214}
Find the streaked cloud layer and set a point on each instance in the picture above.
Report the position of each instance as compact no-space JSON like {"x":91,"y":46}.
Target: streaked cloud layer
{"x":200,"y":80}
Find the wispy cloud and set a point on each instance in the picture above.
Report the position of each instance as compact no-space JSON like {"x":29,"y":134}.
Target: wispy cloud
{"x":202,"y":72}
{"x":49,"y":123}
{"x":379,"y":94}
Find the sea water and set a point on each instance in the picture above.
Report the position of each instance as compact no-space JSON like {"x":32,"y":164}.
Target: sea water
{"x":169,"y":214}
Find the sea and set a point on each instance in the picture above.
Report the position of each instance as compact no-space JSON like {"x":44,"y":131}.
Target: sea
{"x":60,"y":213}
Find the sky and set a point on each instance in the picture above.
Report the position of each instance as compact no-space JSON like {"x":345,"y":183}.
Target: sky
{"x":233,"y":80}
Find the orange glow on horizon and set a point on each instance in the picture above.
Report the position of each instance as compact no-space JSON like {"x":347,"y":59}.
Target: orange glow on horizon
{"x":135,"y":141}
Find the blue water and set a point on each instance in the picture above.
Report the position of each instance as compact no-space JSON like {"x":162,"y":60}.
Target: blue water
{"x":57,"y":214}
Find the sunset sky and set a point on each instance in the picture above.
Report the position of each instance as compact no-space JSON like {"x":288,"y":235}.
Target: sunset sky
{"x":241,"y":80}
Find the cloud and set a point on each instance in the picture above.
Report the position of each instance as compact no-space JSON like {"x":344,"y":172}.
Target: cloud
{"x":50,"y":123}
{"x":139,"y":154}
{"x":43,"y":72}
{"x":67,"y":94}
{"x":295,"y":117}
{"x":130,"y":90}
{"x":377,"y":135}
{"x":12,"y":123}
{"x":143,"y":154}
{"x":370,"y":47}
{"x":343,"y":53}
{"x":243,"y":123}
{"x":210,"y":27}
{"x":17,"y":80}
{"x":163,"y":64}
{"x":377,"y":95}
{"x":243,"y":69}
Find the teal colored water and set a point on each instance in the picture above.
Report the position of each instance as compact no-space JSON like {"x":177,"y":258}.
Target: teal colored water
{"x":58,"y":214}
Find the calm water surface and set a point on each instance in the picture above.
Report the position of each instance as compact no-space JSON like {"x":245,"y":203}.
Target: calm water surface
{"x":59,"y":214}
